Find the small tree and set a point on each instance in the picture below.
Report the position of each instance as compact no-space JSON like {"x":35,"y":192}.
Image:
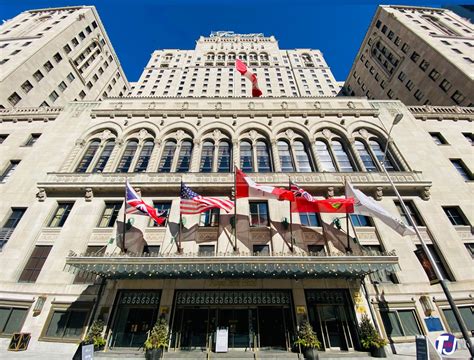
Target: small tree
{"x":94,"y":335}
{"x":306,"y":337}
{"x":369,"y":337}
{"x":158,"y":336}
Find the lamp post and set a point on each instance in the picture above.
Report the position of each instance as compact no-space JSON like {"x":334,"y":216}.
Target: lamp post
{"x":425,"y":248}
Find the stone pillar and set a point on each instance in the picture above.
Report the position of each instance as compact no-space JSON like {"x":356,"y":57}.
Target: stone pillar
{"x":111,"y":164}
{"x":195,"y":156}
{"x":319,"y":167}
{"x":276,"y":156}
{"x":357,"y":158}
{"x":154,"y":158}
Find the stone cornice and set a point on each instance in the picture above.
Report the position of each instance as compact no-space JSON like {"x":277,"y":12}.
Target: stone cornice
{"x":429,"y":112}
{"x":29,"y":114}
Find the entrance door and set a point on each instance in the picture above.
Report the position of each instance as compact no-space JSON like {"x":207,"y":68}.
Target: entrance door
{"x":334,"y":327}
{"x":237,"y":322}
{"x":132,"y":325}
{"x":271,"y":327}
{"x":194,"y":329}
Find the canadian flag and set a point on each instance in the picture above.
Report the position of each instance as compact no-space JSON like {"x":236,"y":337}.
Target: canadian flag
{"x":242,"y":68}
{"x":246,"y":187}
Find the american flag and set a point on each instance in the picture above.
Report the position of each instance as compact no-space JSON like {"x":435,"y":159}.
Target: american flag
{"x":192,"y":203}
{"x":135,"y":205}
{"x":300,"y":192}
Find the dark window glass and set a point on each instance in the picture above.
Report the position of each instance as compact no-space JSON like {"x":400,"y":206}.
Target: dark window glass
{"x":104,"y":156}
{"x":424,"y":65}
{"x":412,"y":211}
{"x":110,"y":214}
{"x":286,"y":161}
{"x":325,"y":158}
{"x":128,"y":156}
{"x":438,"y":138}
{"x":7,"y":230}
{"x":445,"y":85}
{"x":470,"y":248}
{"x":11,"y":319}
{"x":223,"y":157}
{"x":342,"y":156}
{"x":3,"y":137}
{"x":365,"y":156}
{"x":314,"y":249}
{"x":259,"y":214}
{"x":88,"y":156}
{"x":246,"y":157}
{"x":388,"y":163}
{"x":67,"y":324}
{"x":207,"y":157}
{"x":462,"y":169}
{"x":161,"y":206}
{"x":303,"y":161}
{"x":35,"y":264}
{"x":206,"y":250}
{"x":455,"y":215}
{"x":32,"y":139}
{"x":145,"y":155}
{"x":184,"y":158}
{"x":400,"y":323}
{"x":309,"y":219}
{"x":467,"y":314}
{"x":415,"y":56}
{"x":437,"y":257}
{"x":209,"y":218}
{"x":262,"y":250}
{"x":469,"y":137}
{"x":167,"y":158}
{"x":361,"y":220}
{"x":61,"y":215}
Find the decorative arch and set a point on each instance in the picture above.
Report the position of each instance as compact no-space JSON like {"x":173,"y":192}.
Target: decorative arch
{"x":333,"y":151}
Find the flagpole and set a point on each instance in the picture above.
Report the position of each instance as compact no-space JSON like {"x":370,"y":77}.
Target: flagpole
{"x":326,"y":238}
{"x":235,"y":207}
{"x":348,"y":248}
{"x":291,"y":219}
{"x":124,"y":217}
{"x":180,"y":220}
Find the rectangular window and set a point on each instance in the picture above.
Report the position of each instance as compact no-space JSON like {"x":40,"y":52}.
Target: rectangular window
{"x":462,"y":169}
{"x":61,"y":214}
{"x":380,"y":276}
{"x":161,"y":207}
{"x":418,"y":94}
{"x":458,"y":97}
{"x":399,"y":323}
{"x":445,"y":85}
{"x":470,"y":248}
{"x":361,"y":220}
{"x":405,"y":47}
{"x":402,"y":76}
{"x":469,"y":137}
{"x":67,"y":49}
{"x":10,"y":224}
{"x":57,"y":57}
{"x":415,"y":56}
{"x":455,"y":215}
{"x":110,"y":214}
{"x":259,"y":214}
{"x":26,"y":86}
{"x":38,"y":75}
{"x":35,"y":264}
{"x":9,"y":170}
{"x":3,"y":137}
{"x":261,"y":250}
{"x":309,"y":219}
{"x":53,"y":96}
{"x":11,"y":319}
{"x":409,"y":85}
{"x":48,"y":66}
{"x":74,"y":42}
{"x":206,"y":250}
{"x":424,"y":65}
{"x":82,"y":94}
{"x":434,"y":75}
{"x":467,"y":314}
{"x":438,"y":138}
{"x":315,"y":249}
{"x":209,"y":218}
{"x":411,"y":210}
{"x":67,"y":324}
{"x":14,"y":99}
{"x":70,"y":77}
{"x":32,"y":139}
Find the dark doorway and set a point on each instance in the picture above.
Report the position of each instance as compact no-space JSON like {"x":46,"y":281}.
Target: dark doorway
{"x":132,"y":326}
{"x":271,"y":327}
{"x":194,"y":329}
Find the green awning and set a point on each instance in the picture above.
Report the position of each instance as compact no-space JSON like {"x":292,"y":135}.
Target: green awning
{"x":206,"y":267}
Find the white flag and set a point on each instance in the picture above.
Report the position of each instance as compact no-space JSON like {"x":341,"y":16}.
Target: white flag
{"x":365,"y":205}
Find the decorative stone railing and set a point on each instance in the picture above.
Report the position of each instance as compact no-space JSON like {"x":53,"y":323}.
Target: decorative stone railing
{"x":29,"y":113}
{"x":442,"y":112}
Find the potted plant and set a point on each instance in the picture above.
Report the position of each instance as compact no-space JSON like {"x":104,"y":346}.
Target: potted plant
{"x":94,"y":335}
{"x":157,"y":340}
{"x":308,"y":341}
{"x":370,"y":339}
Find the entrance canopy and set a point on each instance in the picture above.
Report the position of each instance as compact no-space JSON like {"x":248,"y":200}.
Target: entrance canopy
{"x":114,"y":266}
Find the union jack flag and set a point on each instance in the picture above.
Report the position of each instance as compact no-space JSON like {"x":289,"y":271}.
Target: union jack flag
{"x":193,"y":203}
{"x":135,"y":205}
{"x":300,"y":192}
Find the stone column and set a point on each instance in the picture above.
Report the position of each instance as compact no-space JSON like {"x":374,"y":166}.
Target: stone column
{"x":319,"y":167}
{"x":154,"y":158}
{"x":111,"y":164}
{"x":276,"y":156}
{"x":195,"y":156}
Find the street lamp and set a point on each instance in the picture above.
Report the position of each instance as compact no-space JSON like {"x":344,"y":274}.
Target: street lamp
{"x":425,"y":248}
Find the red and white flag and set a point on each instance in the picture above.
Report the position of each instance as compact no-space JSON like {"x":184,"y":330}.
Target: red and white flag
{"x":246,"y":187}
{"x":242,"y":68}
{"x":135,"y":205}
{"x":305,"y":202}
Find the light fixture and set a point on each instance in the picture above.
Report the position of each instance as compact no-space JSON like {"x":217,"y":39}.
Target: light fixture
{"x":427,"y":305}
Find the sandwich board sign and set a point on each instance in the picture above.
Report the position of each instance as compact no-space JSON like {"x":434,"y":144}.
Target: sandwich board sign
{"x":222,"y":339}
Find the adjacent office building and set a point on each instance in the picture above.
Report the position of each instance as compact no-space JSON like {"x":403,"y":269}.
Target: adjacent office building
{"x":420,"y":56}
{"x":50,"y":57}
{"x":250,"y":273}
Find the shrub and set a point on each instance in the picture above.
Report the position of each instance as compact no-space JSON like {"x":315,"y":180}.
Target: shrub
{"x":94,"y":335}
{"x":306,"y":337}
{"x":369,"y":337}
{"x":159,"y":336}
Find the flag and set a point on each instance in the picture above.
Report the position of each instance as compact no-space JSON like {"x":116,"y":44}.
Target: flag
{"x":365,"y":205}
{"x":246,"y":187}
{"x":242,"y":68}
{"x":134,"y":239}
{"x":337,"y":241}
{"x":305,"y":202}
{"x":192,"y":203}
{"x":135,"y":205}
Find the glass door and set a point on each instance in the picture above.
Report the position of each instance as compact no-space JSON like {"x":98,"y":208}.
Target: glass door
{"x":334,"y":327}
{"x":132,"y":325}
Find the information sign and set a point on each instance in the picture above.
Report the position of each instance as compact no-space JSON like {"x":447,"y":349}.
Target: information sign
{"x":222,"y":339}
{"x":421,"y":348}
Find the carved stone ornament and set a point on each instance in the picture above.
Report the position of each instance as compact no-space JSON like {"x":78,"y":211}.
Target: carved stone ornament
{"x":41,"y":194}
{"x":185,"y":106}
{"x":216,"y":134}
{"x":118,"y":106}
{"x":143,"y":134}
{"x":284,"y":105}
{"x":378,"y":195}
{"x":89,"y":195}
{"x":253,"y":135}
{"x":180,"y":134}
{"x":317,"y":105}
{"x":425,"y":193}
{"x":218,"y":106}
{"x":105,"y":134}
{"x":350,"y":105}
{"x":364,"y":133}
{"x":330,"y":192}
{"x":80,"y":142}
{"x":151,"y":105}
{"x":251,"y":105}
{"x":327,"y":133}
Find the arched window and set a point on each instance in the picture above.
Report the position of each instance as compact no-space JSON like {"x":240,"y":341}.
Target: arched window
{"x":167,"y":157}
{"x":365,"y":156}
{"x":327,"y":163}
{"x":286,"y":161}
{"x":127,"y":156}
{"x":145,"y":155}
{"x":378,"y":152}
{"x":104,"y":156}
{"x":223,"y":157}
{"x":263,"y":157}
{"x":207,"y":156}
{"x":342,"y":157}
{"x":88,"y":156}
{"x":184,"y":158}
{"x":246,"y":158}
{"x":303,"y":161}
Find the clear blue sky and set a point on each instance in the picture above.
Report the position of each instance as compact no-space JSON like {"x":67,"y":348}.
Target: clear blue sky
{"x":137,"y":27}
